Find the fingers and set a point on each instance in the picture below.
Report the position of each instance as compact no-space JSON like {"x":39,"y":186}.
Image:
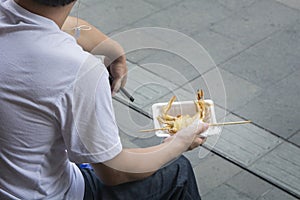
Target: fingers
{"x":117,"y":83}
{"x":203,"y":127}
{"x":118,"y":73}
{"x":199,"y":127}
{"x":196,"y":143}
{"x":115,"y":86}
{"x":203,"y":140}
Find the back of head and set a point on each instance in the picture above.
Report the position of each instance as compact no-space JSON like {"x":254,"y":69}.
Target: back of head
{"x":54,"y":3}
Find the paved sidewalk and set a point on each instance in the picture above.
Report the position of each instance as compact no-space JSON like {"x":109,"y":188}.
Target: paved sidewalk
{"x":253,"y":74}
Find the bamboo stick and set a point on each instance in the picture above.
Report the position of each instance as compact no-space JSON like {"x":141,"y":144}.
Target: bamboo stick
{"x":155,"y":129}
{"x":211,"y":124}
{"x":229,"y":123}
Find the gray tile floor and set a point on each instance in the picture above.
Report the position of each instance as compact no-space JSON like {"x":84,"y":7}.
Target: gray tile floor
{"x":253,"y":73}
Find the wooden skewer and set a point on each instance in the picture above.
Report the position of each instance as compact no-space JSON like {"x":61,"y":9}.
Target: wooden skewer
{"x":229,"y":123}
{"x":212,"y":124}
{"x":155,"y":129}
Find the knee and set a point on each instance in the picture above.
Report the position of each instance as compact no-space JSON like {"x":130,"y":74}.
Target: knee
{"x":181,"y":166}
{"x":182,"y":161}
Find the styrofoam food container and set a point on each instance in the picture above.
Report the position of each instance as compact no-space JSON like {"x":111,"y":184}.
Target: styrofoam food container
{"x":184,"y":108}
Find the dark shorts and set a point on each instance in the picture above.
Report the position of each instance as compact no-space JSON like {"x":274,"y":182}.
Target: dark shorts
{"x":174,"y":181}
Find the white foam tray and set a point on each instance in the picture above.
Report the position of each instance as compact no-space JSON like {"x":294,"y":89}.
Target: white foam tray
{"x":184,"y":108}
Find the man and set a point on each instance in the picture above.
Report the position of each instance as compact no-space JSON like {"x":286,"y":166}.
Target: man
{"x":56,"y":110}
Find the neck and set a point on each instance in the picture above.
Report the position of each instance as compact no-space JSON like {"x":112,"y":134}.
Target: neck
{"x":57,"y":14}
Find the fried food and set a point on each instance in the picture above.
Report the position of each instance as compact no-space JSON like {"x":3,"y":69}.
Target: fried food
{"x":172,"y":124}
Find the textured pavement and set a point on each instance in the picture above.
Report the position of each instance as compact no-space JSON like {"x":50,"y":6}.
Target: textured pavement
{"x":252,"y":73}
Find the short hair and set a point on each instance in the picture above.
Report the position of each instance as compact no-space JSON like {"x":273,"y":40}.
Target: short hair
{"x":54,"y":3}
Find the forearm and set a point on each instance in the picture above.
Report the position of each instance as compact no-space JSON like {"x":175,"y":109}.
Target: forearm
{"x":141,"y":160}
{"x":93,"y":40}
{"x":139,"y":163}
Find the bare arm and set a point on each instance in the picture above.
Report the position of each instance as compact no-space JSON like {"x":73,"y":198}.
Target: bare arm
{"x":139,"y":163}
{"x":98,"y":43}
{"x":89,"y":39}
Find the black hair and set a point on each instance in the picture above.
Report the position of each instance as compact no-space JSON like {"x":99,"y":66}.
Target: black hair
{"x":54,"y":3}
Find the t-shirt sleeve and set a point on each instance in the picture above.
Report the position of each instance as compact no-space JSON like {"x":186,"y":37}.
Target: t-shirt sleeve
{"x":88,"y":124}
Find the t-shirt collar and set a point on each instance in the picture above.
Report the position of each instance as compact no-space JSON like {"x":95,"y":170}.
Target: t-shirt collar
{"x":17,"y":9}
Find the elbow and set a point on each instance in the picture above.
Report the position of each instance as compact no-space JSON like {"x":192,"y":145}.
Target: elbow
{"x":123,"y":177}
{"x":110,"y":176}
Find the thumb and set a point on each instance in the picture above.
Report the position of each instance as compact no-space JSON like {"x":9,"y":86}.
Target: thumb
{"x":115,"y":86}
{"x":200,"y":126}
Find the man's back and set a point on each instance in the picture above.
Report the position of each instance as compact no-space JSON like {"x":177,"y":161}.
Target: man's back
{"x":34,"y":76}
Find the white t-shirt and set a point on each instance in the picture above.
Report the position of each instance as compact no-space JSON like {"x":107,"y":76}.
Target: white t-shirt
{"x":55,"y":109}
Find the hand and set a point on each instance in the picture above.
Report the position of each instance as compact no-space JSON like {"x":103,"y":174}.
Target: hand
{"x":118,"y":71}
{"x":97,"y":43}
{"x":197,"y":142}
{"x":191,"y":135}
